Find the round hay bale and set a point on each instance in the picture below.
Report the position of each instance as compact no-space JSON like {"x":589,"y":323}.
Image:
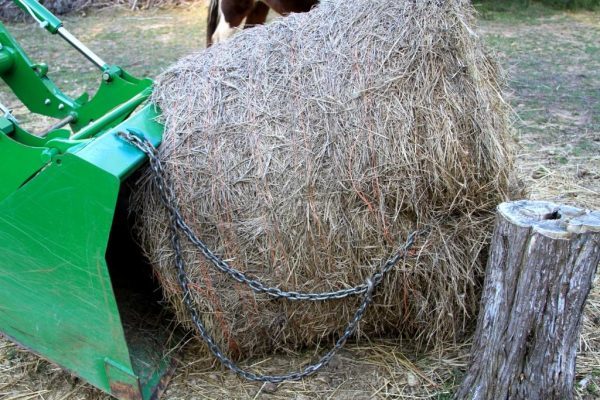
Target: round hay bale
{"x":305,"y":151}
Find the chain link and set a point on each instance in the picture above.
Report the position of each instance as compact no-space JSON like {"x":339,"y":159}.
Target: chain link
{"x":177,"y":224}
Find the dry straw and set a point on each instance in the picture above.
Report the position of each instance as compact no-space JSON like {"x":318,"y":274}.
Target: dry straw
{"x":305,"y":151}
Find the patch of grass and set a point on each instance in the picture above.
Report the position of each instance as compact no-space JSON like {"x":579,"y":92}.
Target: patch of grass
{"x":512,"y":10}
{"x":583,"y":147}
{"x":529,"y":10}
{"x":574,"y":4}
{"x":502,"y":42}
{"x":592,"y":49}
{"x":451,"y":384}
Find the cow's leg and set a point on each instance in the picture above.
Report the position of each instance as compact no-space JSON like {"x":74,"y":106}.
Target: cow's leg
{"x":231,"y":15}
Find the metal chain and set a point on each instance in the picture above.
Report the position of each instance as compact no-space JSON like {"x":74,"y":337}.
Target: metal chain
{"x":169,"y":201}
{"x":178,"y":224}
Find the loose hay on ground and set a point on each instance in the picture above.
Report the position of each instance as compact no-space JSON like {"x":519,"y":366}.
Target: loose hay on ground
{"x":304,"y":152}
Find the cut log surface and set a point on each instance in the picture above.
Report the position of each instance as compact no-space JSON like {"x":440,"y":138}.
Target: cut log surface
{"x":542,"y":263}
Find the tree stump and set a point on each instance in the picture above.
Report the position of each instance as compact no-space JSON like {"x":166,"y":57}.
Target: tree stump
{"x":542,"y":262}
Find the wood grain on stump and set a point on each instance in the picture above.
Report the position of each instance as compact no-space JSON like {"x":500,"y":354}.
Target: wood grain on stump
{"x":542,"y":262}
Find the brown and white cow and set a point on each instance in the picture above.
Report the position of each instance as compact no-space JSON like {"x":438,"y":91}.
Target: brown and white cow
{"x":226,"y":15}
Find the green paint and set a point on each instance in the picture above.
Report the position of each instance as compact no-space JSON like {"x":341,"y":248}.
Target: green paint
{"x":57,"y":202}
{"x":50,"y":21}
{"x":29,"y":81}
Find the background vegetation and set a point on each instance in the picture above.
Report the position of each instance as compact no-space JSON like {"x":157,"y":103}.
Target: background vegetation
{"x":534,"y":8}
{"x":518,"y":5}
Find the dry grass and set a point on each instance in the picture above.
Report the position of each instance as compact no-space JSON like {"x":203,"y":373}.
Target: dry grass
{"x":588,"y":358}
{"x":305,"y":152}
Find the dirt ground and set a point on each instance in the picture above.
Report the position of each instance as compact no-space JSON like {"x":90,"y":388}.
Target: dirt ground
{"x":553,"y":62}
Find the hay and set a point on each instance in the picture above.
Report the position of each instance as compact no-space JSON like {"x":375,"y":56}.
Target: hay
{"x":305,"y":151}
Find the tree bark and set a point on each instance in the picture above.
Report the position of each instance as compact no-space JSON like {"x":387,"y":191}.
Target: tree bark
{"x":542,"y":262}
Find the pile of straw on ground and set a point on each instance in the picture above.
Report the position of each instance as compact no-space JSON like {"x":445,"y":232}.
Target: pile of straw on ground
{"x":10,"y":12}
{"x":305,"y":151}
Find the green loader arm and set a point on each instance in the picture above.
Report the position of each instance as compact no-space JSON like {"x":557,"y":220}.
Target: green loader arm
{"x":30,"y":83}
{"x":44,"y":17}
{"x":59,"y":193}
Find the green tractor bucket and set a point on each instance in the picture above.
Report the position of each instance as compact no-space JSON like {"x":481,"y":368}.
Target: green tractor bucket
{"x":71,"y":288}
